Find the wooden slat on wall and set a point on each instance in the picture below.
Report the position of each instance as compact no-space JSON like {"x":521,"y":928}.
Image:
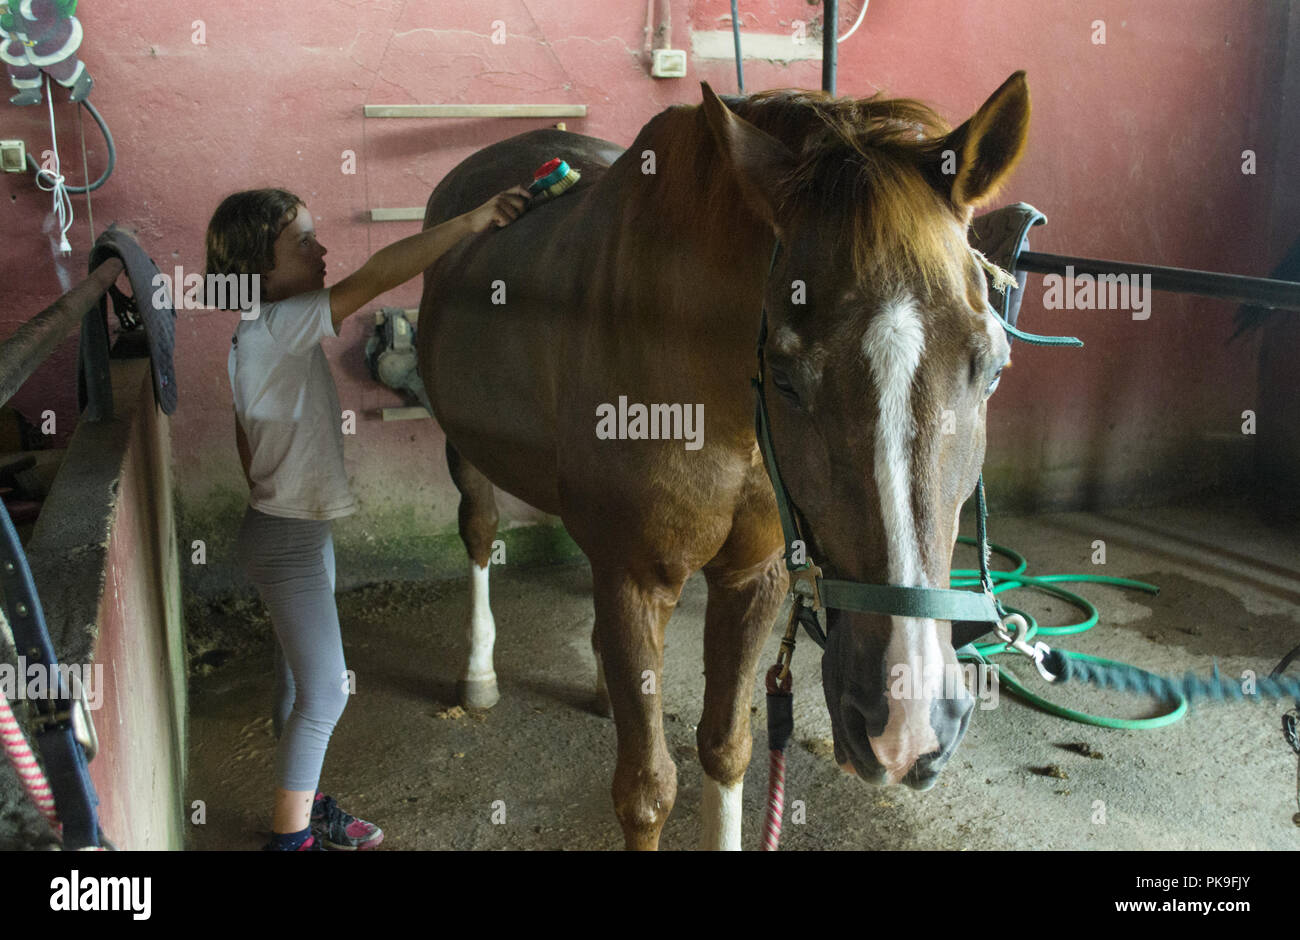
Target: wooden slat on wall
{"x":416,"y":213}
{"x":476,"y":110}
{"x":411,"y":214}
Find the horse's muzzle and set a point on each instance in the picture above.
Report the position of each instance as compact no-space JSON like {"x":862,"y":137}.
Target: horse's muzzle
{"x":886,"y":741}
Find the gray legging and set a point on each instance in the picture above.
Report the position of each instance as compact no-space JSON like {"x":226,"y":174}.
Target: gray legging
{"x":292,"y":563}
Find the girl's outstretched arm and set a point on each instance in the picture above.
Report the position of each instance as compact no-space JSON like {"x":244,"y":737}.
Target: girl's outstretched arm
{"x":402,"y":260}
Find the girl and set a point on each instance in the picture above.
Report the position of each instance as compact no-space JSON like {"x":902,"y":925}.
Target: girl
{"x":288,"y":430}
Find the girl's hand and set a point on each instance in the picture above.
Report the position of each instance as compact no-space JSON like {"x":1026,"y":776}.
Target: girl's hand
{"x":499,"y":211}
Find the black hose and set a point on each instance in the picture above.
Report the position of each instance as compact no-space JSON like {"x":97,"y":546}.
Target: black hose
{"x":112,"y":155}
{"x":1286,"y":661}
{"x":1281,"y":668}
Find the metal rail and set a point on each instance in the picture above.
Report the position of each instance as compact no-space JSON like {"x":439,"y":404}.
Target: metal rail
{"x":23,"y":353}
{"x":1257,"y":291}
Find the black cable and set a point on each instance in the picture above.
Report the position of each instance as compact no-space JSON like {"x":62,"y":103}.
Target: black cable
{"x":1277,"y":671}
{"x":112,"y":155}
{"x":1286,"y":661}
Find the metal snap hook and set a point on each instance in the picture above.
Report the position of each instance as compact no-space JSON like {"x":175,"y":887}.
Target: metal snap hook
{"x":1015,"y":640}
{"x":83,"y":726}
{"x":803,"y":584}
{"x":1019,"y":642}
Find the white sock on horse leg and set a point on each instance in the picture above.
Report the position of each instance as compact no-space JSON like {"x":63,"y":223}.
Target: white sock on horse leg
{"x":479,"y":682}
{"x":720,"y":815}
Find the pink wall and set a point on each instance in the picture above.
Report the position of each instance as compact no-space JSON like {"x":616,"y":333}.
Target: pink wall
{"x":139,"y":771}
{"x":1135,"y":153}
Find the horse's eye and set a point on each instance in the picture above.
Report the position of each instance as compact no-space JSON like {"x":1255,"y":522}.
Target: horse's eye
{"x":783,"y":385}
{"x":997,"y":377}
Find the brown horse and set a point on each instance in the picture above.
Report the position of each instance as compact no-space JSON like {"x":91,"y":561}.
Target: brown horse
{"x":567,"y":355}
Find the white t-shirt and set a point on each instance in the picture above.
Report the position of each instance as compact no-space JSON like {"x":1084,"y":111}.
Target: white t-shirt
{"x":288,"y":406}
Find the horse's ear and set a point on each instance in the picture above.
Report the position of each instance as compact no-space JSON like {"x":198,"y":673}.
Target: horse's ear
{"x":760,"y":160}
{"x":987,"y":147}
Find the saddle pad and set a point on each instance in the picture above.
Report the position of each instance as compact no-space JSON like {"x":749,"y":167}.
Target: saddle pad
{"x":159,"y":321}
{"x":1002,"y":235}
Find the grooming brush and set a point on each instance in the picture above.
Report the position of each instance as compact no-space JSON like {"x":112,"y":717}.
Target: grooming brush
{"x":551,"y":179}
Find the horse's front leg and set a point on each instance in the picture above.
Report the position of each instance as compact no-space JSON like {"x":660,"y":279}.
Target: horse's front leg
{"x":631,"y":614}
{"x":738,"y":619}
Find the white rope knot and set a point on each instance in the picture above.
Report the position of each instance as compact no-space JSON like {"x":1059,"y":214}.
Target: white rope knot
{"x":55,"y":178}
{"x":1002,"y":278}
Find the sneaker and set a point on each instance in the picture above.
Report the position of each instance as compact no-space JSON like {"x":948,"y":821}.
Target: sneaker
{"x":338,"y":830}
{"x":310,"y":844}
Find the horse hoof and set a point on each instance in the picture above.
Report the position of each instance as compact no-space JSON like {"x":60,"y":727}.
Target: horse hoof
{"x":478,"y":693}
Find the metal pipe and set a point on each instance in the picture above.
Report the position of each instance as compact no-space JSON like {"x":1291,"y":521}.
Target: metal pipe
{"x":735,"y":35}
{"x":1259,"y":291}
{"x":664,"y":31}
{"x":830,"y":28}
{"x":23,"y":353}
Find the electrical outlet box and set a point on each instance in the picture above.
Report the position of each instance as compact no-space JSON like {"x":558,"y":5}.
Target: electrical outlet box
{"x":668,"y":63}
{"x":13,"y":156}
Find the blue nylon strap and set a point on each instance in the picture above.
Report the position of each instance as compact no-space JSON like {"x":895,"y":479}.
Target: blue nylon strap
{"x":65,"y":761}
{"x":74,"y":794}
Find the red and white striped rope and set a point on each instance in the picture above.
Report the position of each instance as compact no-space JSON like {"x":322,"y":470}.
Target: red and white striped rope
{"x":775,"y":799}
{"x":24,"y":763}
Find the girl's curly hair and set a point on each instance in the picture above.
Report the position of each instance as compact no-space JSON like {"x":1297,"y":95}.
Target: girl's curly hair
{"x":243,"y":231}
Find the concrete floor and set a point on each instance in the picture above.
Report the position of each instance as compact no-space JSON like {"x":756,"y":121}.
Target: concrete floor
{"x":1222,"y":778}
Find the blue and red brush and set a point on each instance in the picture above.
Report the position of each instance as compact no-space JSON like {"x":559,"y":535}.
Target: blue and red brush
{"x":551,"y":179}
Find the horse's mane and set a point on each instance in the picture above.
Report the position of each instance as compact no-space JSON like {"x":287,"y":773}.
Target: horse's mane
{"x":867,"y":169}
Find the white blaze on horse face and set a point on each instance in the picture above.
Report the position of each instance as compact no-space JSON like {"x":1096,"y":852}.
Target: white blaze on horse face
{"x":720,"y":812}
{"x":893,"y":346}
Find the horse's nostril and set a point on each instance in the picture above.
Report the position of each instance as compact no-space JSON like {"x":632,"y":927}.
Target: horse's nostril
{"x":871,"y":709}
{"x":928,"y":765}
{"x":921,"y":781}
{"x":959,"y":710}
{"x":925,"y":772}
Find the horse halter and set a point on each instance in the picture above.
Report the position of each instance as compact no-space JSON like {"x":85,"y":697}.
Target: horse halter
{"x":972,"y":614}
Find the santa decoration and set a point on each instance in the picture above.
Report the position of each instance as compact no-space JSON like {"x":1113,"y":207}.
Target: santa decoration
{"x":42,"y":36}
